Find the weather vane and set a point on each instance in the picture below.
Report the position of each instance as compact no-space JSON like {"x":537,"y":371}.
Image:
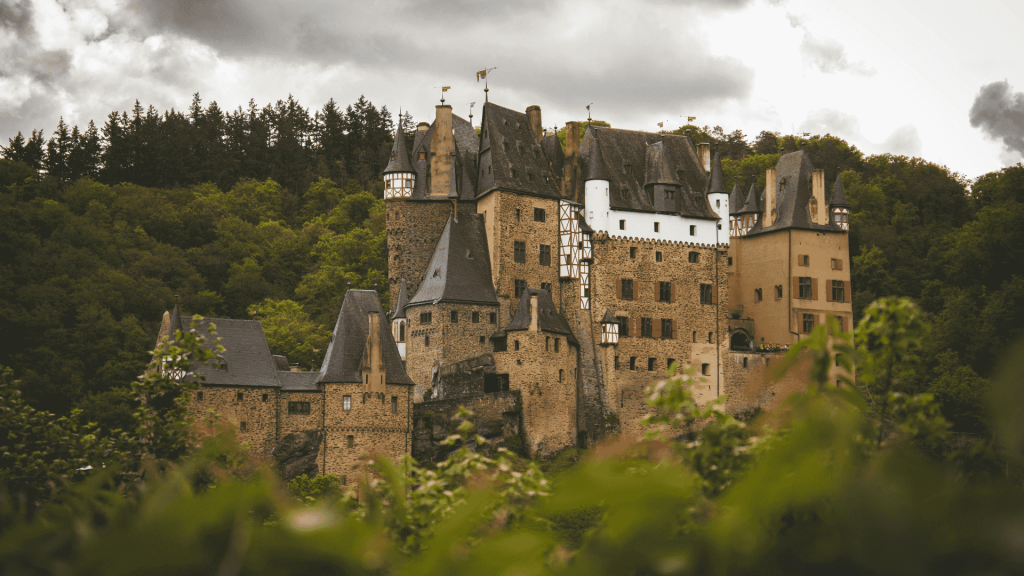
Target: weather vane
{"x":443,"y":90}
{"x":588,"y":112}
{"x":482,"y":75}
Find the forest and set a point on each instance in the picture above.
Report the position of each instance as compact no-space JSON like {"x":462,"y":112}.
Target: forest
{"x":275,"y":212}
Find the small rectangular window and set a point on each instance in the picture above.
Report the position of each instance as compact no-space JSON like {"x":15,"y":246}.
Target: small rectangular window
{"x":757,"y":294}
{"x":805,"y":260}
{"x":517,"y":344}
{"x":627,"y":288}
{"x":694,"y":257}
{"x":519,"y":214}
{"x":694,"y":335}
{"x":666,"y":328}
{"x":240,"y":396}
{"x":199,"y":396}
{"x":346,"y":402}
{"x":808,"y":323}
{"x":557,"y":341}
{"x":839,"y":319}
{"x":646,"y":328}
{"x":500,"y":344}
{"x":623,"y":326}
{"x":493,"y":317}
{"x":520,"y":287}
{"x":350,"y":441}
{"x":476,"y":317}
{"x":518,"y":252}
{"x":298,"y":407}
{"x":805,"y":287}
{"x":693,"y":230}
{"x":426,"y":317}
{"x":705,"y":369}
{"x":664,"y":291}
{"x":657,"y":226}
{"x":622,"y":224}
{"x":650,"y":364}
{"x":242,"y":426}
{"x":546,"y":286}
{"x":538,"y":215}
{"x":426,"y":339}
{"x":657,"y":256}
{"x":729,"y":260}
{"x":706,"y":295}
{"x":547,"y":343}
{"x":669,"y":362}
{"x":632,"y":252}
{"x":265,"y":396}
{"x":711,"y":337}
{"x":778,"y":291}
{"x":481,"y":339}
{"x":617,"y":366}
{"x":632,"y":362}
{"x":744,"y":361}
{"x":545,"y":255}
{"x":394,"y":404}
{"x":455,"y":316}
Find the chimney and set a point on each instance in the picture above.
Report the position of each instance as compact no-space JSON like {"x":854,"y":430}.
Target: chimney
{"x":442,"y":146}
{"x":571,"y":167}
{"x":533,"y":112}
{"x":534,"y":314}
{"x":771,"y":185}
{"x":422,"y":127}
{"x":820,"y":214}
{"x":295,"y":368}
{"x":704,"y":152}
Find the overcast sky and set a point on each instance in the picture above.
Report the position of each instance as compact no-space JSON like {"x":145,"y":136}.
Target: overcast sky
{"x":940,"y":80}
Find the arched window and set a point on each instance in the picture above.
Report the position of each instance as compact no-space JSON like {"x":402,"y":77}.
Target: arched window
{"x":739,"y":341}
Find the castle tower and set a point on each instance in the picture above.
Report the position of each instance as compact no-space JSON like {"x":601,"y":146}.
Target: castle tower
{"x":399,"y":323}
{"x":840,"y":207}
{"x":399,"y":177}
{"x":717,"y":194}
{"x":735,"y":205}
{"x":748,"y":215}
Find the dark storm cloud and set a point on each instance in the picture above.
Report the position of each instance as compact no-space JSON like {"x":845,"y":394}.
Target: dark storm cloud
{"x":999,"y":112}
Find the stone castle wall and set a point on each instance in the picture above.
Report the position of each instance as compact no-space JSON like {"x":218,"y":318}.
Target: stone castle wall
{"x":413,"y":229}
{"x":450,"y":341}
{"x":496,"y":416}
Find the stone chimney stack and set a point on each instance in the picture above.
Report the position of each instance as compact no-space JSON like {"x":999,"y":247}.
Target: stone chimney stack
{"x":571,"y":167}
{"x":771,"y":185}
{"x":373,"y":365}
{"x":442,"y":146}
{"x":534,"y":314}
{"x":820,"y":213}
{"x":704,"y":152}
{"x":533,"y":112}
{"x":422,"y":127}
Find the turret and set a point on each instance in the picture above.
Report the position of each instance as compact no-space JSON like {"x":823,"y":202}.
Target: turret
{"x":399,"y":177}
{"x":399,"y":323}
{"x":735,"y":205}
{"x":718,"y":196}
{"x":750,"y":211}
{"x":840,"y":208}
{"x":596,"y":182}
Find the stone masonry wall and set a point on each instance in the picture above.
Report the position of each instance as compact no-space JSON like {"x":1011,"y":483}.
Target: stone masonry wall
{"x":413,"y":229}
{"x":257,"y":409}
{"x":693,"y":321}
{"x":497,"y":417}
{"x":370,"y":423}
{"x":450,"y":342}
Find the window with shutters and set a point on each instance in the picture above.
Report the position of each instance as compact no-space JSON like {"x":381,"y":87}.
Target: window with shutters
{"x":706,"y":295}
{"x":837,"y":264}
{"x":838,"y":291}
{"x":627,"y":288}
{"x":623,"y":326}
{"x":804,"y":284}
{"x":666,"y":328}
{"x":519,"y":252}
{"x":520,"y":286}
{"x":545,"y":255}
{"x":694,"y":257}
{"x":664,"y":291}
{"x":538,"y":215}
{"x":803,"y":260}
{"x":808,"y":323}
{"x":757,"y":294}
{"x":646,"y":328}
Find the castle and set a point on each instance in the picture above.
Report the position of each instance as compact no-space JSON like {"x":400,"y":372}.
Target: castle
{"x":548,"y":286}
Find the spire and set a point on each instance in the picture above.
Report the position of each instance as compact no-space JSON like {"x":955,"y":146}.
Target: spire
{"x":735,"y":198}
{"x":838,"y":197}
{"x":399,"y":152}
{"x":596,"y":169}
{"x":608,"y":318}
{"x":717,"y":185}
{"x":401,"y":302}
{"x":752,"y":207}
{"x":175,"y":323}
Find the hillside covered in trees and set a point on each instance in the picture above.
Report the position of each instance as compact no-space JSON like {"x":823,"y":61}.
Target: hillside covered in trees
{"x":274,"y":212}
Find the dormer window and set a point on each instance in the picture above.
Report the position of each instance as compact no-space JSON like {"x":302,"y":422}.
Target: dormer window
{"x":423,"y":155}
{"x":670,"y":194}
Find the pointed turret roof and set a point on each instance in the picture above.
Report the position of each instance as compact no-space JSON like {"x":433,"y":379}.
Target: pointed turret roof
{"x":344,"y":359}
{"x":399,"y":154}
{"x":400,"y":302}
{"x":717,"y":184}
{"x":175,"y":322}
{"x":752,"y":206}
{"x":460,"y":269}
{"x":838,"y":197}
{"x":735,"y":199}
{"x":608,"y":318}
{"x":596,"y":170}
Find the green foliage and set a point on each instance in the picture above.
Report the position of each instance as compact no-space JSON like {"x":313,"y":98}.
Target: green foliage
{"x":583,"y":130}
{"x":312,"y":490}
{"x":291,"y":332}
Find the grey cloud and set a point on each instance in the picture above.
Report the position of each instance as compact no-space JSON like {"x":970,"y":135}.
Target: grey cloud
{"x":904,"y":141}
{"x":28,"y":58}
{"x":999,"y":112}
{"x":829,"y":121}
{"x":829,"y":56}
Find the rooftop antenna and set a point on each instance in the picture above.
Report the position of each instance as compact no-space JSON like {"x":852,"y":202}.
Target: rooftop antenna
{"x":443,"y":90}
{"x":482,"y":75}
{"x":471,"y":104}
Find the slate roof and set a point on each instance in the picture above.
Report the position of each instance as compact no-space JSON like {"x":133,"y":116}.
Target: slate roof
{"x":510,"y":157}
{"x":399,"y":155}
{"x":608,"y":318}
{"x":548,"y":317}
{"x":752,"y":206}
{"x":623,"y":156}
{"x":466,"y":145}
{"x":299,"y":381}
{"x":247,"y":356}
{"x":281,"y":362}
{"x":401,"y":302}
{"x":735,"y":199}
{"x":344,"y":359}
{"x":838,"y":197}
{"x":794,"y":172}
{"x":553,"y":152}
{"x":460,"y":268}
{"x":717,"y":184}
